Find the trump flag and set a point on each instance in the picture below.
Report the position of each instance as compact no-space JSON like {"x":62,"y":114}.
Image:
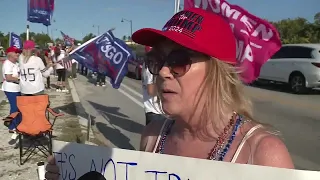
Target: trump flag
{"x":40,"y":11}
{"x":105,"y":54}
{"x":257,"y":39}
{"x":15,"y":40}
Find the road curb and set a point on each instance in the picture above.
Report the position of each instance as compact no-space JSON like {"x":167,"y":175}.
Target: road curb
{"x":85,"y":123}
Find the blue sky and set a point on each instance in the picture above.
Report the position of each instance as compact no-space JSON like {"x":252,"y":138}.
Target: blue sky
{"x":77,"y":17}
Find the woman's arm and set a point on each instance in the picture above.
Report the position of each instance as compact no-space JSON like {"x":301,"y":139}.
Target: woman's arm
{"x":46,"y":71}
{"x":8,"y":73}
{"x":10,"y":78}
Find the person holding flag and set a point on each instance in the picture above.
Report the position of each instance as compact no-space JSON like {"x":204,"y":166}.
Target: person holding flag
{"x":10,"y":85}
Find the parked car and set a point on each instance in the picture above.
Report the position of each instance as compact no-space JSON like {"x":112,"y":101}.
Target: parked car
{"x":295,"y":64}
{"x":135,"y":67}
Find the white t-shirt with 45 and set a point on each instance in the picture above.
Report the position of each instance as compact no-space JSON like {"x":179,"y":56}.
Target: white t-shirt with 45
{"x":9,"y":67}
{"x":31,"y":75}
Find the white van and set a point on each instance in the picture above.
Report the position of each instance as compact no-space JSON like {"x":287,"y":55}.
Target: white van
{"x":295,"y":64}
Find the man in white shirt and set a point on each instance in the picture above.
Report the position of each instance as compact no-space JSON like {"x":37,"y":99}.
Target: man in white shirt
{"x":151,"y":106}
{"x":10,"y":85}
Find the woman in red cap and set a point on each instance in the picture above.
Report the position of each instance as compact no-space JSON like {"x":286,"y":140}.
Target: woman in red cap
{"x":10,"y":85}
{"x":209,"y":116}
{"x":32,"y":70}
{"x":201,"y":93}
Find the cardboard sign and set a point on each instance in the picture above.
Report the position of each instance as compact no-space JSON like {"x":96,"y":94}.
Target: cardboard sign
{"x":77,"y":160}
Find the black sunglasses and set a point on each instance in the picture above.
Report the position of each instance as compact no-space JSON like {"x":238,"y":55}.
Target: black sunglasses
{"x":179,"y":61}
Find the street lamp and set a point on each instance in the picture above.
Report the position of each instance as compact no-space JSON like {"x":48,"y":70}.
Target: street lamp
{"x":98,"y":29}
{"x":130,"y":21}
{"x":52,"y":33}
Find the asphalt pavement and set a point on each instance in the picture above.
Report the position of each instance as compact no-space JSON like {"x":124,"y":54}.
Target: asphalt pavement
{"x":119,"y":116}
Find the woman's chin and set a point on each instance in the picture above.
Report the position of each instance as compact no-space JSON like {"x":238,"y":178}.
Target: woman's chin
{"x":170,"y":109}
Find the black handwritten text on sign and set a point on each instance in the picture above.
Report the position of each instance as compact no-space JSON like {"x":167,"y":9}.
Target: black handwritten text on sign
{"x":68,"y":170}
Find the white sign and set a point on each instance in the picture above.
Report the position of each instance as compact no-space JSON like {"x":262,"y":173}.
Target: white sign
{"x":75,"y":160}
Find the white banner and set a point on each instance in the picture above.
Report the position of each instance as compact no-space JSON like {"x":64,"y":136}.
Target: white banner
{"x":75,"y":160}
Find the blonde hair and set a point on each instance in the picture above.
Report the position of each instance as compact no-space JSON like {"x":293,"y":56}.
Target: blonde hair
{"x":224,"y":92}
{"x":27,"y":53}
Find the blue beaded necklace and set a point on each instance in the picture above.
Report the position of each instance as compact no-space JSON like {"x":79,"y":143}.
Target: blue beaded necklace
{"x":224,"y":148}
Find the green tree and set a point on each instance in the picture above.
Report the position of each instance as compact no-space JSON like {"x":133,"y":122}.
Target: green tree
{"x":299,"y":30}
{"x":58,"y":41}
{"x":88,"y":37}
{"x":124,"y":38}
{"x":42,"y":39}
{"x":317,"y":18}
{"x":4,"y":40}
{"x":77,"y":41}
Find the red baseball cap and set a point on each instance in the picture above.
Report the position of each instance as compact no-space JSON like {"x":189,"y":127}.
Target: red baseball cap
{"x":46,"y":53}
{"x":56,"y":49}
{"x":195,"y":29}
{"x":13,"y":49}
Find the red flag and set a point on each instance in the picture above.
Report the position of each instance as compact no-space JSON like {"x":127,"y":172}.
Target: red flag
{"x":51,"y":2}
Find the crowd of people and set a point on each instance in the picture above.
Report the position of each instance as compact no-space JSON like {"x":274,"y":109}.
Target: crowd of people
{"x":24,"y":72}
{"x":28,"y":72}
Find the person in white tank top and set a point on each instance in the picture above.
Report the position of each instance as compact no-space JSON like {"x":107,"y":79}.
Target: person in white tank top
{"x":32,"y":71}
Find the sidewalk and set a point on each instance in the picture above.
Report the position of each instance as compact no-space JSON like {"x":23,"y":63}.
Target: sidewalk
{"x":66,"y":128}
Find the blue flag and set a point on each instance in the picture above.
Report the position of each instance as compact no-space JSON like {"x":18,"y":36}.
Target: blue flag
{"x":15,"y":40}
{"x":39,"y":11}
{"x":105,"y":54}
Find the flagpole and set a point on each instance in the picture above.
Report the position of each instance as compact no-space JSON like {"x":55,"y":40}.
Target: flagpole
{"x":27,"y":34}
{"x":9,"y":39}
{"x":178,"y":5}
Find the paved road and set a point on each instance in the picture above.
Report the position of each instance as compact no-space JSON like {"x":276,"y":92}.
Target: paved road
{"x":119,"y":117}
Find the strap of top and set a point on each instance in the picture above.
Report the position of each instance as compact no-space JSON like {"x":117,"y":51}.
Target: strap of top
{"x":245,"y":138}
{"x":159,"y":136}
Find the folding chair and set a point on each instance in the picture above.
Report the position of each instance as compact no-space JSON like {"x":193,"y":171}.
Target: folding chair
{"x":35,"y":125}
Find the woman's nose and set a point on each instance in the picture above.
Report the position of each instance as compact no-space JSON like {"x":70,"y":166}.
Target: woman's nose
{"x":165,"y":72}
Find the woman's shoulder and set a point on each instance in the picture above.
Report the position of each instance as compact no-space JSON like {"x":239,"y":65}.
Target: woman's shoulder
{"x":267,"y":147}
{"x":36,"y":58}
